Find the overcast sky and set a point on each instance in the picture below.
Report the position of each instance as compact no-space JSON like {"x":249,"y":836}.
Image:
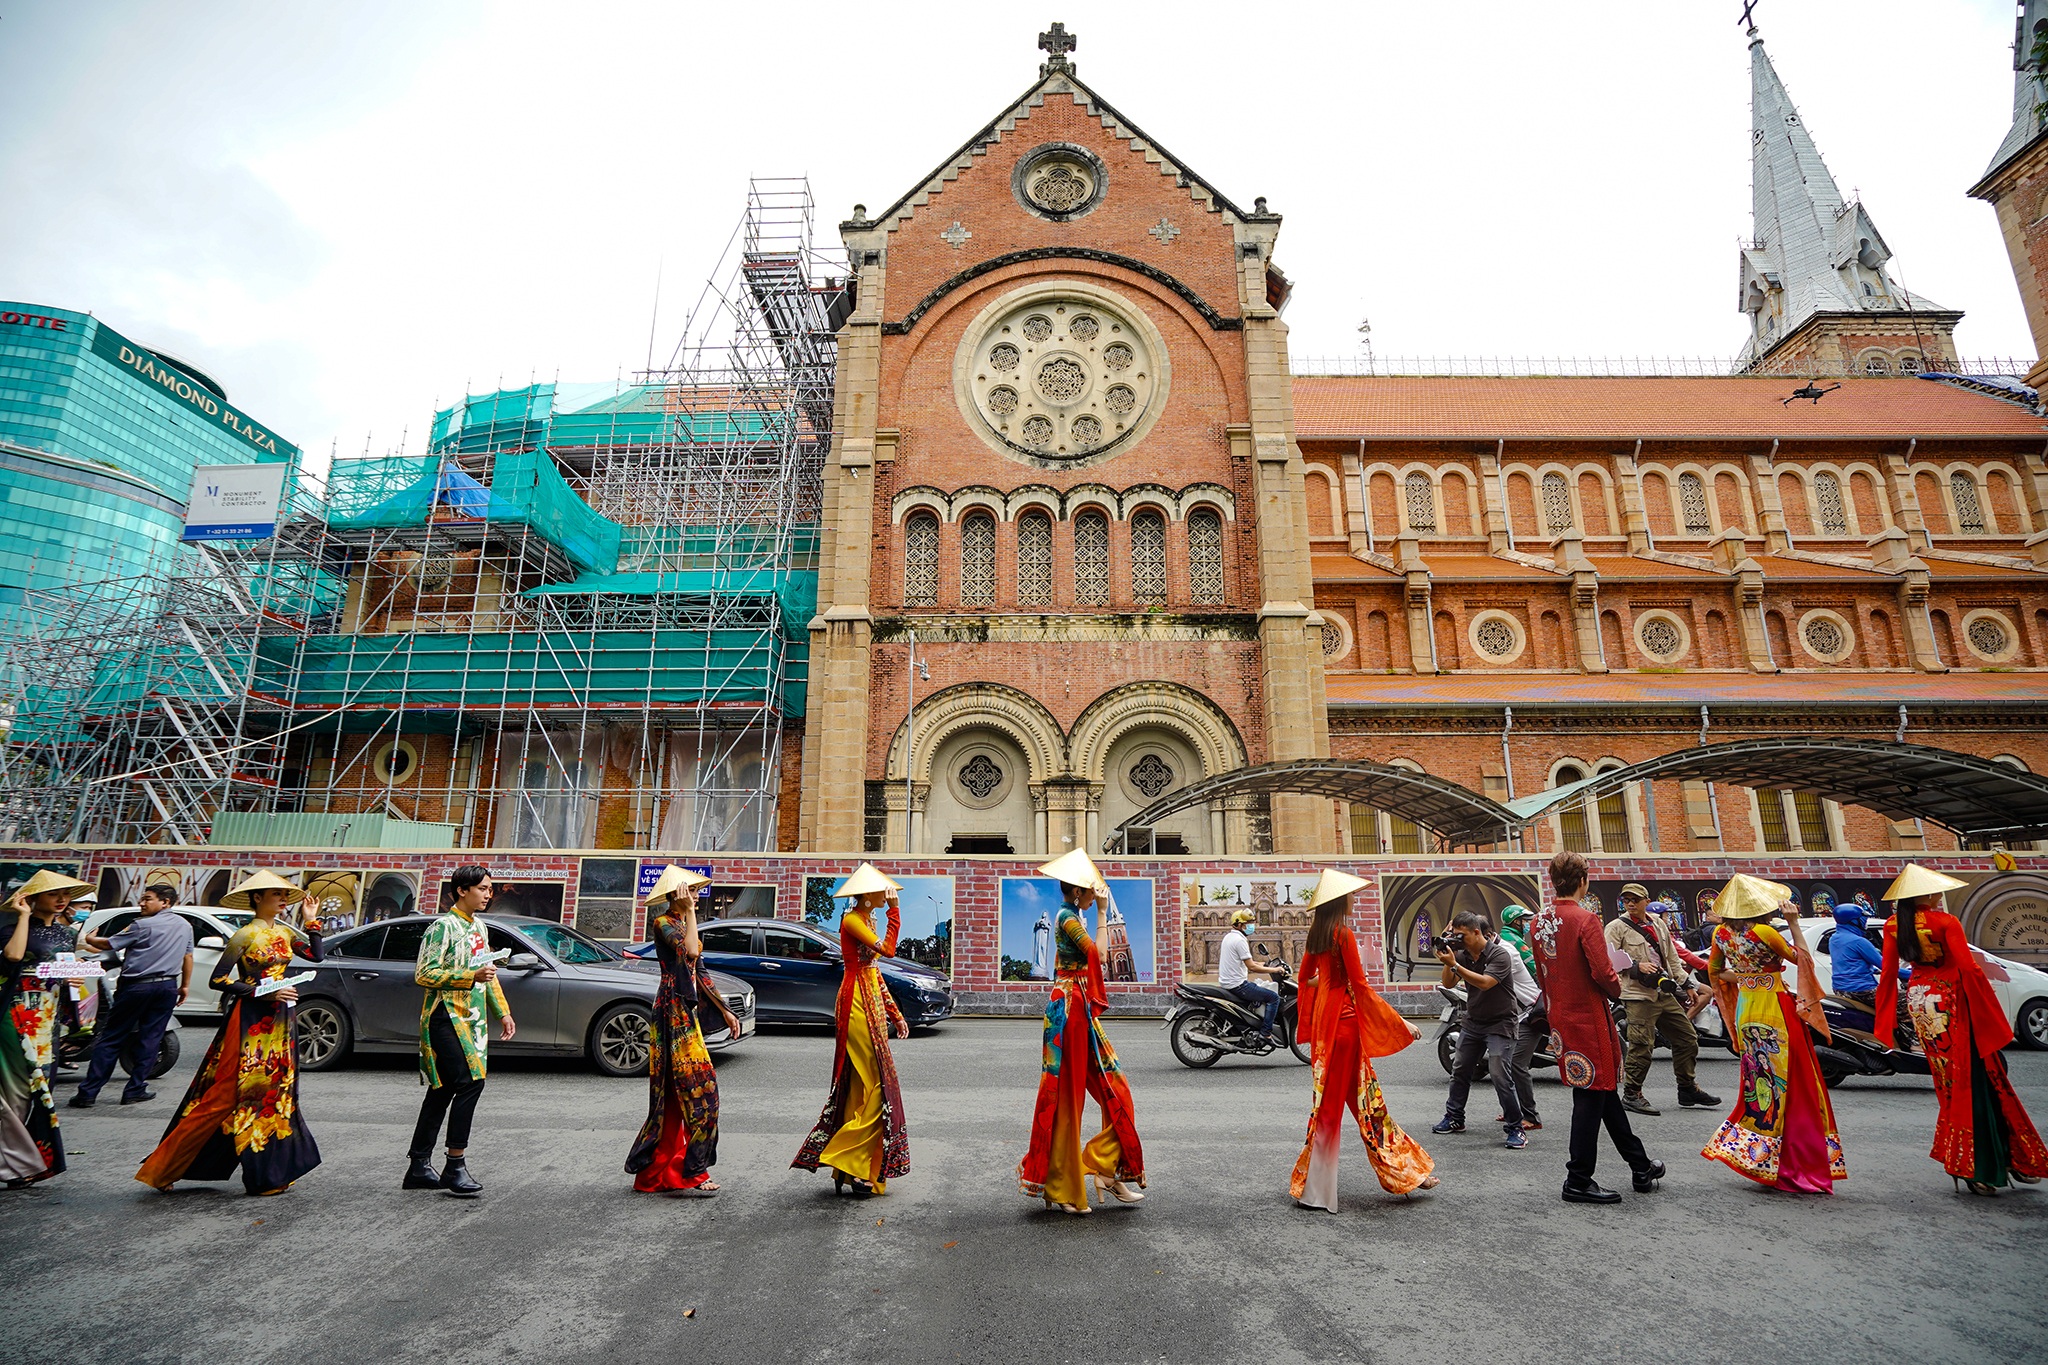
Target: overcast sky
{"x":352,"y":213}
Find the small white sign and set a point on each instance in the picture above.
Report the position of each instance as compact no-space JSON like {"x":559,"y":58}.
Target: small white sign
{"x":69,"y":965}
{"x":275,"y":984}
{"x":483,"y":960}
{"x":234,"y":501}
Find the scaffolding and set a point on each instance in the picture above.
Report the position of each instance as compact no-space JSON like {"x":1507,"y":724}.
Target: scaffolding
{"x":580,"y":620}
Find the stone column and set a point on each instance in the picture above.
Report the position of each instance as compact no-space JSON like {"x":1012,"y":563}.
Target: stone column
{"x":1492,"y":503}
{"x":1635,"y":521}
{"x":1730,"y":550}
{"x":1357,"y":524}
{"x":1763,"y":481}
{"x":1891,"y":553}
{"x":1905,"y":502}
{"x":1568,"y":552}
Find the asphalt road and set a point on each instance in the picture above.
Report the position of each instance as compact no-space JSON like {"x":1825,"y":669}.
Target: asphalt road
{"x":561,"y":1261}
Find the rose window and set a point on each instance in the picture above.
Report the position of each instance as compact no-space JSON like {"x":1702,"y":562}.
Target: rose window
{"x":1151,"y":776}
{"x":980,"y":776}
{"x":1988,"y":637}
{"x":1059,"y":181}
{"x":1495,"y":637}
{"x":1333,"y":640}
{"x":1088,"y":370}
{"x":1660,"y":637}
{"x":1060,"y":190}
{"x":1824,"y":637}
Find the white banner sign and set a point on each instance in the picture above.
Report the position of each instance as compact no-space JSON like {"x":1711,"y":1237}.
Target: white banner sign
{"x":234,"y":501}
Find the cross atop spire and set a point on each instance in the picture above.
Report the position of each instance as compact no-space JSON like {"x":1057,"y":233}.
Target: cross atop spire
{"x":1057,"y":43}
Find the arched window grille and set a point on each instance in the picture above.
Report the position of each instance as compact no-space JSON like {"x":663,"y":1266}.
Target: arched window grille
{"x":921,"y":560}
{"x":1571,"y":817}
{"x":1692,"y":505}
{"x":978,"y":561}
{"x":1834,"y":513}
{"x":1034,"y":559}
{"x":1148,"y":558}
{"x":1969,"y":511}
{"x":1205,"y":556}
{"x":1557,"y":504}
{"x":1421,"y":502}
{"x":1091,"y":559}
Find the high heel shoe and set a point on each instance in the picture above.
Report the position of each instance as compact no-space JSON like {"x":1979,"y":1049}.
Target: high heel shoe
{"x":1122,"y":1193}
{"x":1981,"y":1188}
{"x":838,"y":1181}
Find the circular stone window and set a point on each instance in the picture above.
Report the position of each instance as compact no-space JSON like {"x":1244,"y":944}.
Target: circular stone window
{"x":1150,"y":774}
{"x":1060,"y":374}
{"x":1990,"y":636}
{"x":396,"y":762}
{"x":1827,"y":637}
{"x":1059,"y":181}
{"x":981,"y":778}
{"x":1496,"y":637}
{"x":1662,"y":636}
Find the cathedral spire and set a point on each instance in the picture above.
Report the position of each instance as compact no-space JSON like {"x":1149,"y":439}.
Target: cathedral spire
{"x":2029,"y":84}
{"x":1813,"y":253}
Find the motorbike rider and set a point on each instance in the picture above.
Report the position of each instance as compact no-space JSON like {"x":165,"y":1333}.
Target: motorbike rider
{"x":1534,"y":1028}
{"x":1235,"y":969}
{"x":1854,"y":962}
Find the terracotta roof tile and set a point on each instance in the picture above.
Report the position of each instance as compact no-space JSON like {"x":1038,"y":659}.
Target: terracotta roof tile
{"x":1345,"y":569}
{"x":1832,"y":688}
{"x":1484,"y":568}
{"x":1629,"y":566}
{"x":1445,"y":408}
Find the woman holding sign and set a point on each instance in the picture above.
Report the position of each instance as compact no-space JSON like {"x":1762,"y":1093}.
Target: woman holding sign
{"x":460,"y":972}
{"x":31,"y":1148}
{"x":242,"y":1108}
{"x":678,"y":1145}
{"x":1078,"y":1062}
{"x":861,"y":1133}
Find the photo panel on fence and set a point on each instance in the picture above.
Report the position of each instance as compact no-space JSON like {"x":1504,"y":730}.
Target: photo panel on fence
{"x":1122,"y":929}
{"x":1279,"y":929}
{"x":926,"y":935}
{"x":1417,"y":907}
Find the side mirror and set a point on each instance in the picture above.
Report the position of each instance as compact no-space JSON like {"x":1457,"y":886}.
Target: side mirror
{"x":523,"y":962}
{"x":211,"y":941}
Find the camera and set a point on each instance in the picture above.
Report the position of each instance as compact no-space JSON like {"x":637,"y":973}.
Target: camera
{"x":1449,"y":940}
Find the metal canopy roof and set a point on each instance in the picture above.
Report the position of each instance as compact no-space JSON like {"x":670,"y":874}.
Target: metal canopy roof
{"x":1454,"y":813}
{"x":1976,"y":797}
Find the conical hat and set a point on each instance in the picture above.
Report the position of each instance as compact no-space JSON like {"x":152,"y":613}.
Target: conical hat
{"x":1747,"y":897}
{"x":1333,"y":884}
{"x":47,"y":880}
{"x":1076,"y":869}
{"x":243,"y":897}
{"x":1916,"y":880}
{"x":674,"y":879}
{"x":867,"y":879}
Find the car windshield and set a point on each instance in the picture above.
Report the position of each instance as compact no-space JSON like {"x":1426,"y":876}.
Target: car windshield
{"x":237,"y":918}
{"x":568,"y":945}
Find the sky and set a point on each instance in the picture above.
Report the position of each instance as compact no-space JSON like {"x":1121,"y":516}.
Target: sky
{"x":350,"y":215}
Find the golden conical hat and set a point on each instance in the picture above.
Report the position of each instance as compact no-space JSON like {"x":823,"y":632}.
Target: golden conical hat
{"x":46,"y":880}
{"x":1916,"y":880}
{"x":243,"y":896}
{"x":1747,"y":897}
{"x":1076,"y":869}
{"x":674,"y":879}
{"x":866,"y":879}
{"x":1333,"y":884}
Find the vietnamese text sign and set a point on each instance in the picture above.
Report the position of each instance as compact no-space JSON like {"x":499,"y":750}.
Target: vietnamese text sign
{"x":234,"y":501}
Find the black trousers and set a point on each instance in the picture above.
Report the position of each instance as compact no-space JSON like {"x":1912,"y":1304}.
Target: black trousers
{"x":1591,"y":1109}
{"x":453,"y":1098}
{"x":141,"y":1009}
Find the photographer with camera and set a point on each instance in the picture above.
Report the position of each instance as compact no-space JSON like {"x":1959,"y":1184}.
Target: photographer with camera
{"x":1475,"y":958}
{"x":1655,"y":993}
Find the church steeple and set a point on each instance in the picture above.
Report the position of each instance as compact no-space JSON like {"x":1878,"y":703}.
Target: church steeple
{"x":1817,"y":261}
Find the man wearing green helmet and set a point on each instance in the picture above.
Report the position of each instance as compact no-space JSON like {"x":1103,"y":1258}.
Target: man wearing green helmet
{"x":1535,"y":1024}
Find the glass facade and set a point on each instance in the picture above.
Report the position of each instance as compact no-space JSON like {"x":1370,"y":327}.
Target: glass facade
{"x":98,"y":440}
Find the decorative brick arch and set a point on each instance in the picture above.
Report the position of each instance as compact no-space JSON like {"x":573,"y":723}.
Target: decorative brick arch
{"x":1160,"y":705}
{"x":985,"y":706}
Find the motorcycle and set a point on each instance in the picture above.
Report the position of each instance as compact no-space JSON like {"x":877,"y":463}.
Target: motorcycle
{"x":74,"y":1044}
{"x":1207,"y":1022}
{"x":1451,"y":1026}
{"x":1855,"y":1051}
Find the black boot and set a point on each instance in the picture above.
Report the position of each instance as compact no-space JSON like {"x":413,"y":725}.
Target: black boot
{"x":421,"y":1175}
{"x":1588,"y":1193}
{"x":1692,"y":1096}
{"x":456,"y":1179}
{"x":1646,"y":1179}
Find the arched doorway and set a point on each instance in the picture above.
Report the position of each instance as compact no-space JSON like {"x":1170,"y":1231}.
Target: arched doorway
{"x":979,"y":796}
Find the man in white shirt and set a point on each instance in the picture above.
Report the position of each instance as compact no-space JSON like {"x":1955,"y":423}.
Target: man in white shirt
{"x":1236,"y":968}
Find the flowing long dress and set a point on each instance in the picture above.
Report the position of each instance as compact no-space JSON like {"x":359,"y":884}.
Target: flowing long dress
{"x":41,"y":1006}
{"x":1077,"y":1061}
{"x":678,"y":1145}
{"x":242,"y":1107}
{"x":1982,"y":1133}
{"x":862,"y":1129}
{"x":1781,"y":1132}
{"x":1349,"y":1024}
{"x":31,"y":1147}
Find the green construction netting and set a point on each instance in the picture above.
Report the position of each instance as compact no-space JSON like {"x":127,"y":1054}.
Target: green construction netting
{"x":796,"y":591}
{"x":525,"y":490}
{"x":546,"y":669}
{"x":566,"y":416}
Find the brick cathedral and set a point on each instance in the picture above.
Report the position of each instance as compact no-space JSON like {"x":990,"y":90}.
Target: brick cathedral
{"x":1087,"y":539}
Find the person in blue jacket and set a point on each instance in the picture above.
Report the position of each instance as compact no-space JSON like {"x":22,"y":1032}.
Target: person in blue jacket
{"x":1855,"y":961}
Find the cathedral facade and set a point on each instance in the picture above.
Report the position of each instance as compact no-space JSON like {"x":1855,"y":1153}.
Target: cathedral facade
{"x":1088,"y":540}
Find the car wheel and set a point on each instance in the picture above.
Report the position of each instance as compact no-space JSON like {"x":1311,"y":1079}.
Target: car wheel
{"x":619,"y":1040}
{"x":2032,"y":1024}
{"x":323,"y":1032}
{"x":166,"y":1055}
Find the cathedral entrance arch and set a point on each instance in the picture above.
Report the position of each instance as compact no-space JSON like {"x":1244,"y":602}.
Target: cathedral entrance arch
{"x":1141,"y":741}
{"x":978,"y":758}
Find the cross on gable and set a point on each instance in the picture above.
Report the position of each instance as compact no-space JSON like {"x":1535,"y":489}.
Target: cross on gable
{"x":1057,"y":42}
{"x":1746,"y":20}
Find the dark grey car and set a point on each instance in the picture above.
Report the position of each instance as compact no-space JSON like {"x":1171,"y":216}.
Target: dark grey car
{"x":569,"y":994}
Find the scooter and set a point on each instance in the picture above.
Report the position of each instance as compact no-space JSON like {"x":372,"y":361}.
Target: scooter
{"x":1854,"y":1050}
{"x":1207,"y":1022}
{"x":74,"y":1045}
{"x":1451,"y":1026}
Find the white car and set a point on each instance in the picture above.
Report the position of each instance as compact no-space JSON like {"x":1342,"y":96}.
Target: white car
{"x":2023,"y":990}
{"x":211,"y":929}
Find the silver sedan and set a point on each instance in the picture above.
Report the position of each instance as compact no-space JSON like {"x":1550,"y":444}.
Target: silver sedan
{"x":569,"y":994}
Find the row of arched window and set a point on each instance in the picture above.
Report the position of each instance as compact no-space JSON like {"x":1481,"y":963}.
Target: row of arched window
{"x":1091,"y":559}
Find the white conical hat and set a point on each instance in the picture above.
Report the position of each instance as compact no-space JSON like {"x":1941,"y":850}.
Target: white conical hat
{"x":1076,"y":869}
{"x":867,"y":878}
{"x":674,"y":879}
{"x":243,"y":897}
{"x":1914,"y":881}
{"x":1333,"y":884}
{"x":1748,"y":897}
